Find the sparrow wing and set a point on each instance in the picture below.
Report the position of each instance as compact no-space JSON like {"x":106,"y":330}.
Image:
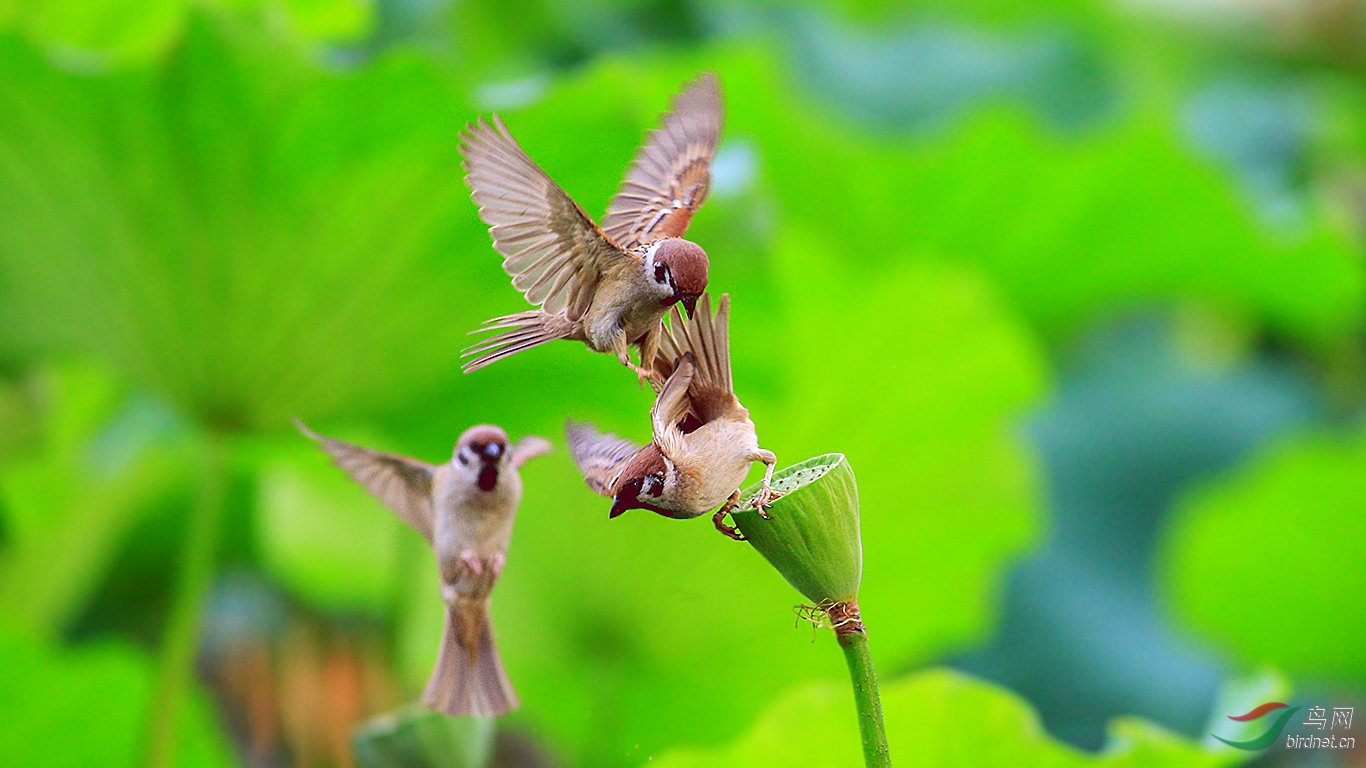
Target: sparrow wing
{"x":529,"y":448}
{"x":599,"y":456}
{"x":403,"y":484}
{"x":671,"y":407}
{"x":555,"y":254}
{"x":671,"y":174}
{"x":706,"y":338}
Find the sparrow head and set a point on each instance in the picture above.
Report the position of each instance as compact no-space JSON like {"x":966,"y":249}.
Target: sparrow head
{"x":681,"y":267}
{"x":641,"y":483}
{"x":483,"y":448}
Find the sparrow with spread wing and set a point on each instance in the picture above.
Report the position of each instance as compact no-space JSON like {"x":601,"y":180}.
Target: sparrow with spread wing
{"x":464,"y":509}
{"x":606,"y":286}
{"x":704,"y":441}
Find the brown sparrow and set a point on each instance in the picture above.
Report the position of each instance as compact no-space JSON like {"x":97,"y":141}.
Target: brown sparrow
{"x":464,"y":509}
{"x":607,"y":287}
{"x":704,"y":441}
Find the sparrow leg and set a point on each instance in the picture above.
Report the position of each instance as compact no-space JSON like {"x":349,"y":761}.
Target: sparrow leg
{"x":766,"y":494}
{"x":719,"y":519}
{"x":623,"y":352}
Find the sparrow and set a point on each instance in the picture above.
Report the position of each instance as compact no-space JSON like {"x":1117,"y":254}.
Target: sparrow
{"x":464,"y":509}
{"x":606,"y":286}
{"x":703,"y":439}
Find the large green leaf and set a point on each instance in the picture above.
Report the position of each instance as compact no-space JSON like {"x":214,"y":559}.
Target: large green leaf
{"x":86,"y":706}
{"x":101,"y":459}
{"x":93,"y":34}
{"x":237,"y":230}
{"x":1265,"y":561}
{"x":934,"y":718}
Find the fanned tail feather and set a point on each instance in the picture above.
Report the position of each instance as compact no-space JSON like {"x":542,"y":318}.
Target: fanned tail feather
{"x":469,"y":677}
{"x":520,"y":332}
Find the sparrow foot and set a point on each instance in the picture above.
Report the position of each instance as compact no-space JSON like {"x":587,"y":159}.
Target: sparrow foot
{"x":644,"y":377}
{"x":719,"y":519}
{"x":764,"y":499}
{"x":471,"y":563}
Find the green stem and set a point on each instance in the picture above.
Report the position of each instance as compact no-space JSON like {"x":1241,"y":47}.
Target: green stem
{"x":854,"y":641}
{"x":181,"y":639}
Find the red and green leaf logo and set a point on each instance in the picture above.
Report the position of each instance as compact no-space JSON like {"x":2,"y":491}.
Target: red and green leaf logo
{"x":1272,"y":733}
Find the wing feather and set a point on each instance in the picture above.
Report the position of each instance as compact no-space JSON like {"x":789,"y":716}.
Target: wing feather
{"x":554,"y":252}
{"x":600,"y":456}
{"x":404,"y":485}
{"x":671,"y":175}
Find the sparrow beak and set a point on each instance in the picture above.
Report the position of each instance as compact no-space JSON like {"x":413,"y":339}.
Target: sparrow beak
{"x":690,"y":304}
{"x":626,"y":497}
{"x":488,"y":454}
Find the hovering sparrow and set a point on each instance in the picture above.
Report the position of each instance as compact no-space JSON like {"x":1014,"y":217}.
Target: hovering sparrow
{"x":704,"y":441}
{"x":607,"y":287}
{"x":464,"y":509}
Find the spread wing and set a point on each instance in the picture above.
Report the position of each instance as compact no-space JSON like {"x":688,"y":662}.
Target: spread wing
{"x":600,"y":457}
{"x":554,"y":252}
{"x":529,"y":448}
{"x":705,"y":339}
{"x":403,"y":484}
{"x":671,"y":174}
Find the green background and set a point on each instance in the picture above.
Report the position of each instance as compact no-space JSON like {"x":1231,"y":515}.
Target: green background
{"x":1078,"y":288}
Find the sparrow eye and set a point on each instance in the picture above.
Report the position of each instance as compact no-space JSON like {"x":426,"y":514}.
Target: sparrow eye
{"x":662,"y":273}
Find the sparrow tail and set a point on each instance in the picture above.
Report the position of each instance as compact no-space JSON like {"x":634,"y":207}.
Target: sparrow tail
{"x":520,"y":332}
{"x":469,"y":677}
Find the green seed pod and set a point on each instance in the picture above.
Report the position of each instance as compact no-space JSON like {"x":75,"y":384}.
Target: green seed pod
{"x":812,"y":536}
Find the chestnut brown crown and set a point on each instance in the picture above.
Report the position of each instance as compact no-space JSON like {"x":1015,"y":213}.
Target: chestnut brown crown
{"x":484,"y":440}
{"x":688,"y":264}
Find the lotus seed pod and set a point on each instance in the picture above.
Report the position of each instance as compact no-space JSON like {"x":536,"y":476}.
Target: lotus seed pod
{"x":812,"y":534}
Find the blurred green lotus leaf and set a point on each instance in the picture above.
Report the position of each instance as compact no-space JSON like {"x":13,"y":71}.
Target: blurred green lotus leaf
{"x":812,"y":534}
{"x":1264,"y":561}
{"x":95,"y":34}
{"x":81,"y":707}
{"x":237,"y":230}
{"x":101,"y":458}
{"x":322,"y":535}
{"x":935,"y":718}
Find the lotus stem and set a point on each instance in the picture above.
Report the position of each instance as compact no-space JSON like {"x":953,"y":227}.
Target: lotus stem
{"x":176,"y":666}
{"x":853,"y":639}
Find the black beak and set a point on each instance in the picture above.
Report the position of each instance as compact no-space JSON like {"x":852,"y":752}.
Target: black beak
{"x":690,"y":304}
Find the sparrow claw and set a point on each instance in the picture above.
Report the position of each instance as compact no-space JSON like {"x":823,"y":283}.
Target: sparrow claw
{"x":719,"y":520}
{"x":765,"y":499}
{"x":644,"y":376}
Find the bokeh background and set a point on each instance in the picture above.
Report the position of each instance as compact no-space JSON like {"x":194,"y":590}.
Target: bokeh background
{"x":1078,"y":286}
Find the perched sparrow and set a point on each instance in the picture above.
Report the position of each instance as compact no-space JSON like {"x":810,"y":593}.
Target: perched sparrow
{"x":704,"y":441}
{"x":464,"y":509}
{"x":607,"y":287}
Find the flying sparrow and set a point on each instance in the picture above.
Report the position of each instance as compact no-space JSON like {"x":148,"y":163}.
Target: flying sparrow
{"x":607,"y":287}
{"x":464,"y":509}
{"x":704,"y":441}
